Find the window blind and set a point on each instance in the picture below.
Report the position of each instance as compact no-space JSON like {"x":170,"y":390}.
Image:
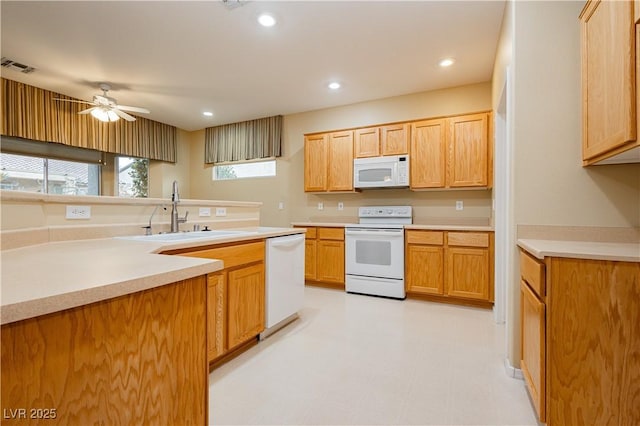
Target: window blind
{"x":247,"y":140}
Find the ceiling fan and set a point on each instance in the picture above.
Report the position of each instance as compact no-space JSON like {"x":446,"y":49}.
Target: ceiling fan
{"x":106,"y":108}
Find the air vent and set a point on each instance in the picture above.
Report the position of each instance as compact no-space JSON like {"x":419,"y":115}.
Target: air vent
{"x":16,"y":66}
{"x":234,"y":4}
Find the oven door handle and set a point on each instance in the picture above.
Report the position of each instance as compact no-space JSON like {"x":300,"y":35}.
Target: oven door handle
{"x":373,"y":233}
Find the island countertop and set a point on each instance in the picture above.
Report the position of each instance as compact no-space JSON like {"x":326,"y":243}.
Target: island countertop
{"x":622,"y":252}
{"x":51,"y":277}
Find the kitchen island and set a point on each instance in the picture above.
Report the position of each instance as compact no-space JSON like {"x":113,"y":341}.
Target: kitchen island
{"x":107,"y":331}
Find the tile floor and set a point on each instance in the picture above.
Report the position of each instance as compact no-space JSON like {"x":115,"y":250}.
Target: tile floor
{"x":354,"y":359}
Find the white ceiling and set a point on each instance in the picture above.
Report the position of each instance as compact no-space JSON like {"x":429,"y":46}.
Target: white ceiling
{"x":180,"y":58}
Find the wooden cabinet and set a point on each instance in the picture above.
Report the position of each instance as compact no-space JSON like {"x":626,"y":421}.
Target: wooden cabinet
{"x":455,"y":152}
{"x":580,"y":345}
{"x":236,"y":295}
{"x":392,"y":139}
{"x":454,"y":266}
{"x":532,"y":331}
{"x":328,"y":162}
{"x":324,"y":256}
{"x":609,"y":82}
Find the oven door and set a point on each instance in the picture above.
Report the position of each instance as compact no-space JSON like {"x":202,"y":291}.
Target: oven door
{"x":375,"y":252}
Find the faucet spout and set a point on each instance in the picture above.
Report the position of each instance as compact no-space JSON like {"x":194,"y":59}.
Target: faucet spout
{"x":175,"y":218}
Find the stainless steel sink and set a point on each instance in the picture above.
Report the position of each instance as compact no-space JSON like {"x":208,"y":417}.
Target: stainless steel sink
{"x":184,"y":236}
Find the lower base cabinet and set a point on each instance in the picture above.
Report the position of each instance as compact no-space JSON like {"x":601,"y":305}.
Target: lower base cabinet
{"x":580,"y":341}
{"x":235,"y":297}
{"x":324,"y":256}
{"x":450,"y":266}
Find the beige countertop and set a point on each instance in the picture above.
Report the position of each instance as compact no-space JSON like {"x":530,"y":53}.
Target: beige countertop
{"x":623,"y":252}
{"x":51,"y":277}
{"x":413,"y":226}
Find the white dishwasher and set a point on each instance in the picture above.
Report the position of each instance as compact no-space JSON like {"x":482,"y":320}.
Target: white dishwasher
{"x":284,"y":281}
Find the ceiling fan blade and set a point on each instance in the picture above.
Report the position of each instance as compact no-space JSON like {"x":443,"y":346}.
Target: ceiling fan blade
{"x":124,"y":115}
{"x":88,"y":110}
{"x":133,"y":109}
{"x":73,"y":100}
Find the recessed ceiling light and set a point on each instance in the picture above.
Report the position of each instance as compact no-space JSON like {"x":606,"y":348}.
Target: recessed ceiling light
{"x":208,"y":113}
{"x":447,"y":62}
{"x":334,"y":85}
{"x":266,"y":20}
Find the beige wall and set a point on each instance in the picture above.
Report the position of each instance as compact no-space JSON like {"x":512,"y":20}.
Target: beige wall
{"x":288,"y":186}
{"x":162,"y":174}
{"x":550,"y":185}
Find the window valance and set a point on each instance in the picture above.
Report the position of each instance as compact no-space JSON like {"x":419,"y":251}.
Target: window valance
{"x":32,"y":113}
{"x":246,"y":140}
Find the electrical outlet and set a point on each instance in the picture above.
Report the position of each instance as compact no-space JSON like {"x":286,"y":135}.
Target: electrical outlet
{"x":320,"y":206}
{"x":204,"y":212}
{"x":341,"y":206}
{"x":459,"y":205}
{"x":221,"y":211}
{"x":78,"y":212}
{"x":280,"y":205}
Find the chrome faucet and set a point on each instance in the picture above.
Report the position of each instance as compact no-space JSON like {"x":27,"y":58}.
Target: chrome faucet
{"x":175,"y":219}
{"x":147,"y":228}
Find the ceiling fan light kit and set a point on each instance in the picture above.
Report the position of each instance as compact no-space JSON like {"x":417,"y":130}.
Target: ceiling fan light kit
{"x":105,"y":108}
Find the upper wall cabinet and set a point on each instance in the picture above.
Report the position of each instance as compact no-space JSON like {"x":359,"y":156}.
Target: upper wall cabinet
{"x":451,"y":153}
{"x":328,"y":162}
{"x":385,"y":140}
{"x":609,"y":80}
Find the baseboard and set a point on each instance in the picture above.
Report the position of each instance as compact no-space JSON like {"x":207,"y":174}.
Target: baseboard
{"x":511,"y":371}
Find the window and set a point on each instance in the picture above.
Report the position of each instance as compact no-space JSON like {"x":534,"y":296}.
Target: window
{"x":132,"y":176}
{"x":244,"y":170}
{"x":45,"y":175}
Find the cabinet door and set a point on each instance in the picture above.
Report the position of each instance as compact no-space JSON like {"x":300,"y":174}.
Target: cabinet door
{"x":330,"y":261}
{"x":425,"y":269}
{"x":428,"y":154}
{"x":468,"y":151}
{"x":245,"y":303}
{"x":310,"y":260}
{"x":394,"y":139}
{"x":608,"y":77}
{"x":367,"y":142}
{"x":315,"y":163}
{"x":216,"y":314}
{"x":532,"y":322}
{"x":340,"y":161}
{"x":468,"y":272}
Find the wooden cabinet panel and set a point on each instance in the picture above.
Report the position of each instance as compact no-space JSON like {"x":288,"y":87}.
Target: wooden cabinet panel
{"x":245,"y":303}
{"x":426,"y":271}
{"x":232,"y":255}
{"x":428,"y":154}
{"x":310,"y":234}
{"x":340,"y":175}
{"x":533,"y":347}
{"x":367,"y":142}
{"x":425,"y":237}
{"x":532,"y":271}
{"x":468,"y":239}
{"x":330,"y":261}
{"x":216,"y":315}
{"x":331,"y":234}
{"x":310,"y":260}
{"x":468,"y":151}
{"x":394,"y":139}
{"x":315,"y":162}
{"x":467,"y":272}
{"x":608,"y":77}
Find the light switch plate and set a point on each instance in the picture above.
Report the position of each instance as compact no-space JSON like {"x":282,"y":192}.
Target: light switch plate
{"x":320,"y":206}
{"x":459,"y":205}
{"x":204,"y":212}
{"x":341,"y":206}
{"x":280,"y":205}
{"x":221,"y":211}
{"x":78,"y":212}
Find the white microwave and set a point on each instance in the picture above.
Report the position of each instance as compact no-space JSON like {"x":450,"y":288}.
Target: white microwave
{"x":381,"y":172}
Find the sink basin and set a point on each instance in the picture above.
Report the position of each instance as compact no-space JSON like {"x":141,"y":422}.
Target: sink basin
{"x":184,"y":236}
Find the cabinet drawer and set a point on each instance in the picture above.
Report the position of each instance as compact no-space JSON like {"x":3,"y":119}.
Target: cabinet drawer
{"x":532,"y":271}
{"x":235,"y":255}
{"x":311,"y":233}
{"x":468,"y":239}
{"x":425,"y":237}
{"x":331,"y":234}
